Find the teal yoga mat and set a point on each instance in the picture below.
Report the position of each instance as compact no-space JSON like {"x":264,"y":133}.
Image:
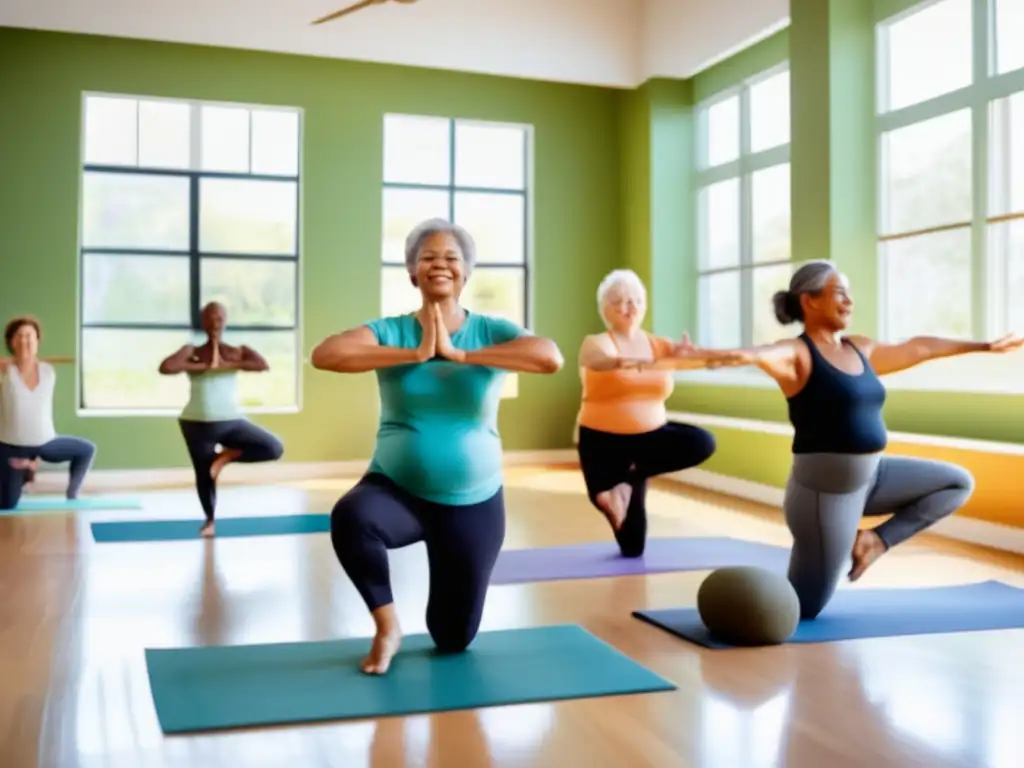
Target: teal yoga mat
{"x":216,"y":688}
{"x":123,"y":531}
{"x":35,"y":504}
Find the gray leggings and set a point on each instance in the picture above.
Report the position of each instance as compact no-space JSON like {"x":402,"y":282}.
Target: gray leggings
{"x":827,"y":495}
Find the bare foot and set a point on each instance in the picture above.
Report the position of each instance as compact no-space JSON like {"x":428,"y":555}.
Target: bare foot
{"x":224,"y":458}
{"x":385,"y":646}
{"x":207,"y":530}
{"x":867,"y":548}
{"x":614,"y":504}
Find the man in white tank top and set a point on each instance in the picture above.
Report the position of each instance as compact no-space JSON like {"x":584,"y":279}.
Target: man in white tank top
{"x":27,"y":433}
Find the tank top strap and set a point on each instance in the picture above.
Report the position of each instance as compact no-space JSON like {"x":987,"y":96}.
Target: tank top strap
{"x":811,"y":347}
{"x":860,"y":354}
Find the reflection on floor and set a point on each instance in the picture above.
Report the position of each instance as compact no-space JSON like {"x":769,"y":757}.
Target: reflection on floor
{"x":75,"y":617}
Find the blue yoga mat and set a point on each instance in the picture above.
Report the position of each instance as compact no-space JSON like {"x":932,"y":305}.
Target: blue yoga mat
{"x":856,"y":614}
{"x":29,"y":504}
{"x":216,"y":688}
{"x":227,"y":527}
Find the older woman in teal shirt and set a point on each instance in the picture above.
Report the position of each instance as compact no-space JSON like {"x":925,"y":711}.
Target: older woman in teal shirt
{"x":436,"y":472}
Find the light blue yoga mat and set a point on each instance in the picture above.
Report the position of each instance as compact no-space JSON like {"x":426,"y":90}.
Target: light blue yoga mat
{"x":34,"y":504}
{"x":856,"y":614}
{"x":122,"y":531}
{"x":601,"y":559}
{"x":216,"y":688}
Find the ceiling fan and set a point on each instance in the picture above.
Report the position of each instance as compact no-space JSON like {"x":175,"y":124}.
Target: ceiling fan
{"x":358,"y":7}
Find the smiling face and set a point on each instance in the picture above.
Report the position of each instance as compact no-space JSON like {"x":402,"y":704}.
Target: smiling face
{"x":24,"y":342}
{"x":832,"y":308}
{"x":215,"y":317}
{"x":440,"y":269}
{"x":624,"y":307}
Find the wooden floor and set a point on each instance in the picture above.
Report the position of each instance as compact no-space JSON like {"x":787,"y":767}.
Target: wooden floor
{"x":75,"y":617}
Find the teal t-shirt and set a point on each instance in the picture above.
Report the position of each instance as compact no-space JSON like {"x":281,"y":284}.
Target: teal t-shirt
{"x":438,"y":435}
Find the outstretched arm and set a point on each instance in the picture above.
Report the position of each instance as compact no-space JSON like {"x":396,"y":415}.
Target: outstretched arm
{"x":527,"y":354}
{"x":668,"y":356}
{"x":357,"y":351}
{"x":892,"y":358}
{"x":780,"y":360}
{"x":181,"y":362}
{"x":511,"y":348}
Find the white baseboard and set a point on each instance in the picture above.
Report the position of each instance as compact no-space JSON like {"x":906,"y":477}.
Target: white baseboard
{"x":967,"y":529}
{"x":55,"y":480}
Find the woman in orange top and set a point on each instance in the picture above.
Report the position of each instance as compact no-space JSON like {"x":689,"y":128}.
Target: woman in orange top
{"x":625,"y":436}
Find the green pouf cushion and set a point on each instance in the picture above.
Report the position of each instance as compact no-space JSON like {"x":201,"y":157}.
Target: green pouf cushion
{"x":748,"y":606}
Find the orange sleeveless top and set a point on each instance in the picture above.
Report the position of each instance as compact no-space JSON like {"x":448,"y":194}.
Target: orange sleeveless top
{"x":627,"y":401}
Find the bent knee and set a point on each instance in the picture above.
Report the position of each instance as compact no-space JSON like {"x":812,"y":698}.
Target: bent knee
{"x":705,"y":444}
{"x":810,"y":611}
{"x":812,"y":598}
{"x":962,"y":479}
{"x":452,"y":640}
{"x":275,"y":449}
{"x":351,"y":515}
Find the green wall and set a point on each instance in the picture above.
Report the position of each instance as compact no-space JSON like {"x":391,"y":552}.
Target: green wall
{"x":577,"y":204}
{"x":830,"y":47}
{"x":656,"y":161}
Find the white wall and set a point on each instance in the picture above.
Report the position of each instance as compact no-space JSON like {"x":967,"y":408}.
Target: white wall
{"x":682,"y":37}
{"x":617,"y":43}
{"x":583,"y":41}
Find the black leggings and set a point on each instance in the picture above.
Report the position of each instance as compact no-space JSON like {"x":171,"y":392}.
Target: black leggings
{"x":608,"y":459}
{"x":462,"y":546}
{"x":202,"y":439}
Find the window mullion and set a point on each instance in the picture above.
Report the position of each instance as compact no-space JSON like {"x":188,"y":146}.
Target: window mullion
{"x":195,"y":165}
{"x":746,"y":297}
{"x":982,"y":319}
{"x":195,"y":287}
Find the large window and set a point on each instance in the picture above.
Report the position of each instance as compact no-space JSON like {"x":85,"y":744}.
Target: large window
{"x":183,"y":203}
{"x":951,"y":183}
{"x":743,"y":197}
{"x":475,"y":174}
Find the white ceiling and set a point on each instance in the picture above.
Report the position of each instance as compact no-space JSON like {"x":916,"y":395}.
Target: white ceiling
{"x":617,"y":43}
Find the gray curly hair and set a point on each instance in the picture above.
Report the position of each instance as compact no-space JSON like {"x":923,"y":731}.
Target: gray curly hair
{"x":429,"y":228}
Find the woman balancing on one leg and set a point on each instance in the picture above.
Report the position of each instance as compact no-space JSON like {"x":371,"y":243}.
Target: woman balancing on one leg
{"x":625,"y":437}
{"x":27,"y":434}
{"x":436,"y":473}
{"x":835,"y":406}
{"x":212,"y":417}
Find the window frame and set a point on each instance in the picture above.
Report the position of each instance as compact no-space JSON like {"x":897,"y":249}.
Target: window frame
{"x":742,"y":168}
{"x":452,"y":188}
{"x":194,"y":253}
{"x":987,"y":88}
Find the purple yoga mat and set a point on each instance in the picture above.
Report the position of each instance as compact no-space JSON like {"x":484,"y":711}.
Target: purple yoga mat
{"x":602,"y":559}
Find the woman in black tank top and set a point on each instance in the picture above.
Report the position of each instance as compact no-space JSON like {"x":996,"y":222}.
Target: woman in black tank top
{"x":831,"y":382}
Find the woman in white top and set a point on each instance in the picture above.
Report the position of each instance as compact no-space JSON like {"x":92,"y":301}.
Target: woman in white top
{"x":212,"y":417}
{"x":27,"y":435}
